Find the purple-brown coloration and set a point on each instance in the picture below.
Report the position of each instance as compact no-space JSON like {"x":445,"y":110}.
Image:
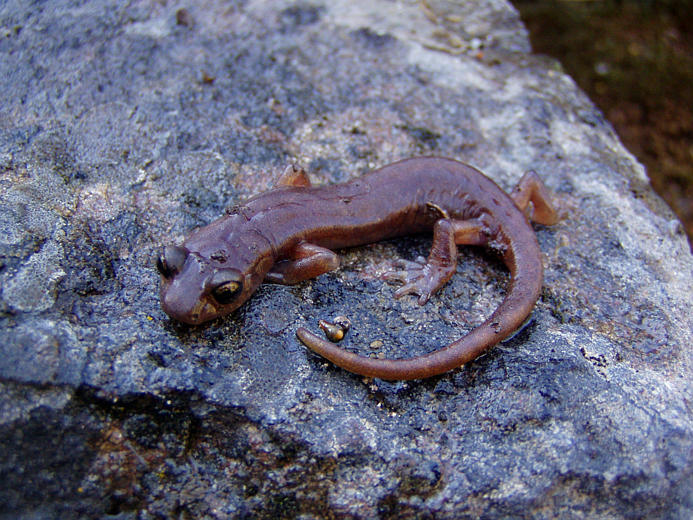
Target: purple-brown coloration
{"x":286,"y":235}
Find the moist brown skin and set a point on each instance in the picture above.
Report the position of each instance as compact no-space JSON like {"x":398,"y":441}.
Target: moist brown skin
{"x":286,"y":235}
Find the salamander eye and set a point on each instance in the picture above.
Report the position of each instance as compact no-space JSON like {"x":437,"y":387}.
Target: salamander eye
{"x":226,"y":292}
{"x":171,"y":260}
{"x":225,"y":285}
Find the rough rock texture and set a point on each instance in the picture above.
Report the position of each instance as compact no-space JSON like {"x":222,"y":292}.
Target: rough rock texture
{"x":123,"y":125}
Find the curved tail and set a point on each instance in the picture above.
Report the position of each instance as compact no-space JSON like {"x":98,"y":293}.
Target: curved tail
{"x":526,"y":273}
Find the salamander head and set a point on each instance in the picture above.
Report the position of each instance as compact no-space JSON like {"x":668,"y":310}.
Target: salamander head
{"x":198,"y":286}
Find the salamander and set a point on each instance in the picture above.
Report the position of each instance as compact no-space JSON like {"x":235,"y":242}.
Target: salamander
{"x":287,"y":235}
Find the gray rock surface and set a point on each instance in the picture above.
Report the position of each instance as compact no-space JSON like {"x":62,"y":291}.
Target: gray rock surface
{"x":123,"y":125}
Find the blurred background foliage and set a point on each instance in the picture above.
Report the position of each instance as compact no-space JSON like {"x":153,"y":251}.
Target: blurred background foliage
{"x":635,"y":61}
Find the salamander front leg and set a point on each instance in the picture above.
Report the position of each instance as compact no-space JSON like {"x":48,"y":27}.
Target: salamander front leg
{"x":306,"y":261}
{"x":293,"y":175}
{"x":425,"y":276}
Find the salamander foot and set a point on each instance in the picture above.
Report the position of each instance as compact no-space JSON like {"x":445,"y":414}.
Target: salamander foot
{"x":419,"y":277}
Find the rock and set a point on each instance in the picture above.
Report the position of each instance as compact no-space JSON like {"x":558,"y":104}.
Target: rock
{"x":125,"y":125}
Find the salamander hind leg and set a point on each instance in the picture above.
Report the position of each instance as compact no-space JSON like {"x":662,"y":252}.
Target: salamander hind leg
{"x":306,"y":261}
{"x":426,"y":276}
{"x":532,"y":190}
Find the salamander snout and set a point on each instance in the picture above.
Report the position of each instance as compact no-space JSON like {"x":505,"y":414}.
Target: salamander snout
{"x":195,"y":290}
